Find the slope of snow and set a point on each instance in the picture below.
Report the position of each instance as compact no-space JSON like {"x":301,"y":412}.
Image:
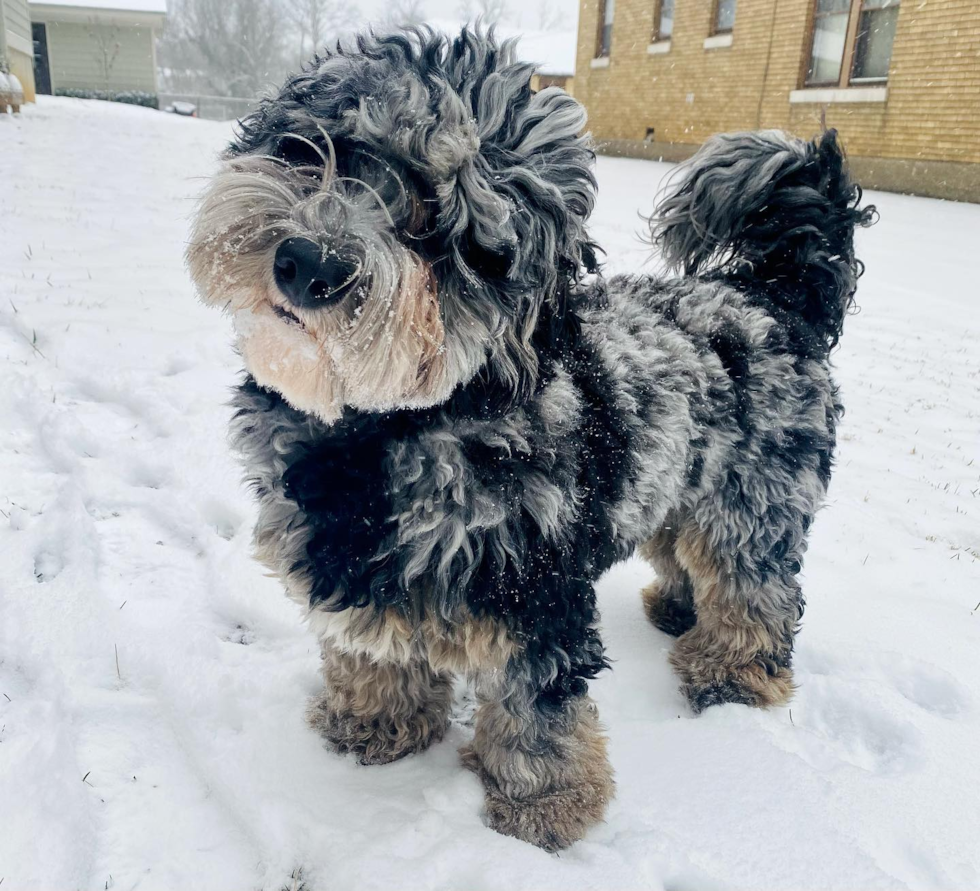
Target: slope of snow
{"x":152,"y":679}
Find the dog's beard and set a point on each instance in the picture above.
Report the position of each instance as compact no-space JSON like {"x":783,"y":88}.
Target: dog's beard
{"x":387,"y":354}
{"x":382,"y":347}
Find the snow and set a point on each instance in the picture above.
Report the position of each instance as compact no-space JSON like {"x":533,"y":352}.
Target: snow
{"x":152,"y":679}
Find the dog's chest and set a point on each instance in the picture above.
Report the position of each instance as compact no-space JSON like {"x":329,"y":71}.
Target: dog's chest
{"x":337,"y":482}
{"x":389,"y":507}
{"x":344,"y":489}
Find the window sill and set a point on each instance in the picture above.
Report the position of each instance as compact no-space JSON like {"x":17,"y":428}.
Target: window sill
{"x":838,"y":94}
{"x":600,"y":62}
{"x":717,"y":41}
{"x":659,"y":47}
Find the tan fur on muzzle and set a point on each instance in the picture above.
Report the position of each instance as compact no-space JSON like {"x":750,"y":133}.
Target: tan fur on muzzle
{"x":380,"y":349}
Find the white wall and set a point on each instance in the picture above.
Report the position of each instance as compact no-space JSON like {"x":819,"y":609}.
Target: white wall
{"x":74,"y":54}
{"x":17,"y":19}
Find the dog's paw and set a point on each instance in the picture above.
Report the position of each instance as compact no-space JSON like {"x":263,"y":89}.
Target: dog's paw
{"x":374,"y":740}
{"x":667,"y":613}
{"x":470,"y":759}
{"x":713,"y":675}
{"x":553,"y":820}
{"x":751,"y":685}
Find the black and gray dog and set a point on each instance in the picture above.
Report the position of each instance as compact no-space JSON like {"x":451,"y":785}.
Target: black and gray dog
{"x":453,"y":425}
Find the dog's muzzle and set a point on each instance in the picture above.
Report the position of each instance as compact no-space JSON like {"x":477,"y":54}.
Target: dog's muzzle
{"x":310,"y":277}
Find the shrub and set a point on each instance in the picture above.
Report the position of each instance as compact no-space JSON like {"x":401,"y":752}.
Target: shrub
{"x":130,"y":97}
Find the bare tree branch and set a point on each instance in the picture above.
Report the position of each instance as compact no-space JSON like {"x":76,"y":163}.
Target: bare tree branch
{"x":406,"y":12}
{"x":107,"y":47}
{"x":317,"y":21}
{"x":224,"y":47}
{"x":549,"y":15}
{"x":491,"y":12}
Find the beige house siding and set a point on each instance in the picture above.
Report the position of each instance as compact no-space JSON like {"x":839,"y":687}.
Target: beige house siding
{"x":17,"y":20}
{"x":16,"y":45}
{"x":76,"y":57}
{"x":22,"y":65}
{"x":928,"y":123}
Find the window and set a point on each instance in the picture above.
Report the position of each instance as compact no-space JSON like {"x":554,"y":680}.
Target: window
{"x":873,"y":44}
{"x":724,"y":16}
{"x":852,"y":42}
{"x":829,"y":37}
{"x":605,"y":28}
{"x":663,"y":20}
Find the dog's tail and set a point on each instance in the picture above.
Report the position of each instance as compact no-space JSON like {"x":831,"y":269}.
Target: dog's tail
{"x":780,"y":210}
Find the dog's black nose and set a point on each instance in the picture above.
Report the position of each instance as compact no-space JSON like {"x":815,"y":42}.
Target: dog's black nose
{"x":309,"y":277}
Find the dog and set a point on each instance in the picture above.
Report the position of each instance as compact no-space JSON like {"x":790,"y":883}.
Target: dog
{"x":454,"y":424}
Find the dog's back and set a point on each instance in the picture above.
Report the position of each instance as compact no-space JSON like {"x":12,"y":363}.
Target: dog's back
{"x":729,"y":366}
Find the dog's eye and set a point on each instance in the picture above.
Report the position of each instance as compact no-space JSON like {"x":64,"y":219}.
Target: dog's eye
{"x":370,"y":171}
{"x":298,"y":153}
{"x":416,"y":215}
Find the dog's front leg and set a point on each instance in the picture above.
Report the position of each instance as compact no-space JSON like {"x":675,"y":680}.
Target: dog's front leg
{"x":543,"y":764}
{"x":380,"y":710}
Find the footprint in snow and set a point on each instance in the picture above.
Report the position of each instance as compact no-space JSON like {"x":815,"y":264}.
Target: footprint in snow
{"x":240,"y":634}
{"x":47,"y":566}
{"x":866,"y":710}
{"x":224,"y":519}
{"x":144,"y":475}
{"x":932,"y":689}
{"x":924,"y":684}
{"x":140,"y":405}
{"x":177,"y":364}
{"x":837,"y":723}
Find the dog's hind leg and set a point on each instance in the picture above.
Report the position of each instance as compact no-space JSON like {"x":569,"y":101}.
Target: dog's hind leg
{"x":748,"y":605}
{"x":669,"y":600}
{"x":543,"y":764}
{"x":380,"y":710}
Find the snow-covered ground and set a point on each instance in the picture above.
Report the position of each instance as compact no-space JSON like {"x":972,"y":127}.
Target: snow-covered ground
{"x":152,"y":679}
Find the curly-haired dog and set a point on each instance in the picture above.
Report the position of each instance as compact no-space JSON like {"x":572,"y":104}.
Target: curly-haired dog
{"x":453,"y":431}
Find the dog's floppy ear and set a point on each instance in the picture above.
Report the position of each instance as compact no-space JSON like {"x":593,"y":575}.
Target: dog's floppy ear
{"x":551,"y":141}
{"x":515,"y":213}
{"x":540,"y":161}
{"x":528,"y":192}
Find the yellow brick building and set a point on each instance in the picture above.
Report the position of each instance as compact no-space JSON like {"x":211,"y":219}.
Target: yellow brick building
{"x":900,"y":79}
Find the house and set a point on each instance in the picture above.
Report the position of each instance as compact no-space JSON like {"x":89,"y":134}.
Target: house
{"x":554,"y":54}
{"x":16,"y":49}
{"x":106,"y":45}
{"x":900,"y":80}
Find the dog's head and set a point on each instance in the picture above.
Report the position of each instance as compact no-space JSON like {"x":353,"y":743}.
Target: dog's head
{"x":394,"y":222}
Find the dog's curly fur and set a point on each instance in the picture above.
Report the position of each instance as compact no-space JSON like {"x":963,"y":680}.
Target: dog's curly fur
{"x":447,"y":459}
